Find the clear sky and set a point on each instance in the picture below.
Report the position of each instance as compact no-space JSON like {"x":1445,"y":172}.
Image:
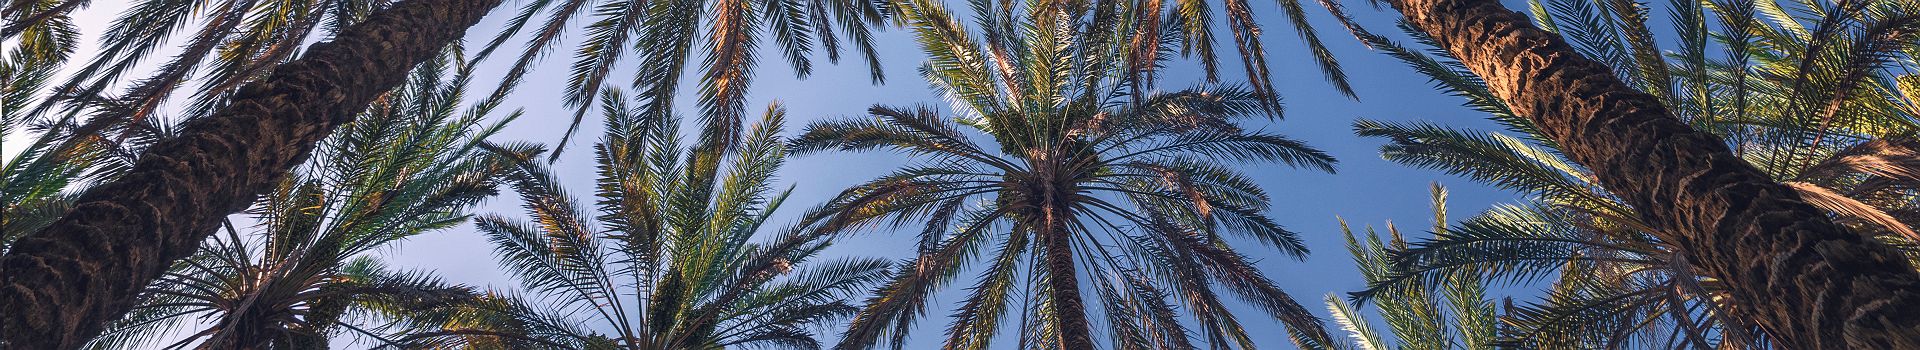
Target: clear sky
{"x":1365,"y":191}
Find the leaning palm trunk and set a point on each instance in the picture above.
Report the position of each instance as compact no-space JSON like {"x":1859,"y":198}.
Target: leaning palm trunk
{"x":1810,"y":284}
{"x":59,"y":286}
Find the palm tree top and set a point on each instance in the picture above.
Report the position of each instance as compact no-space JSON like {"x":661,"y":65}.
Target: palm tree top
{"x":1067,"y":184}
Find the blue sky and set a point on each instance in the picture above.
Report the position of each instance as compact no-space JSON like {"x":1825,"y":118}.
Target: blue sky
{"x":1366,"y":190}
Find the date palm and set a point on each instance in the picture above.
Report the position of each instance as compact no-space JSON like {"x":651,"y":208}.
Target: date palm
{"x":61,"y":285}
{"x":307,"y":270}
{"x":1082,"y":193}
{"x":1189,"y":26}
{"x":1823,"y":111}
{"x":665,"y":261}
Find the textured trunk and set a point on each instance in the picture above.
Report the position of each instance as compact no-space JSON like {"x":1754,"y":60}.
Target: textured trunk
{"x":60,"y":285}
{"x":1069,"y":313}
{"x":1808,"y":282}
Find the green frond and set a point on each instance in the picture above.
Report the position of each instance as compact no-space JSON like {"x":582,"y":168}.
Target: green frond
{"x":1355,"y":325}
{"x":1492,"y":158}
{"x":668,"y":256}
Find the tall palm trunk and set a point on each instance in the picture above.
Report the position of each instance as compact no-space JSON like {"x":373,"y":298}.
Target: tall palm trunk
{"x":1069,"y":313}
{"x":1810,"y":284}
{"x":61,"y":285}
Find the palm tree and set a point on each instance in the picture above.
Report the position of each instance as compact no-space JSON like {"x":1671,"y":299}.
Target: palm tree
{"x":62,"y":284}
{"x":1084,"y":179}
{"x":409,"y":165}
{"x":1458,"y":315}
{"x":1189,"y":26}
{"x":1692,"y":171}
{"x":666,"y":259}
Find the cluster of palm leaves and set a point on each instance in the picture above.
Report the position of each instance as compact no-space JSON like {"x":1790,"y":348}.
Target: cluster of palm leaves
{"x":1820,"y":96}
{"x":39,"y":177}
{"x":1459,"y":315}
{"x":301,"y":269}
{"x":1095,"y":197}
{"x":231,"y":43}
{"x":665,"y":259}
{"x":663,"y":34}
{"x":1069,"y":99}
{"x":236,"y":41}
{"x":1084,"y":196}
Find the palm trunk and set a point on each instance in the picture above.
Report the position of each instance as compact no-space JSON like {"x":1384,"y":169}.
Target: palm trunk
{"x":1810,"y":284}
{"x":61,"y":285}
{"x":1063,"y":286}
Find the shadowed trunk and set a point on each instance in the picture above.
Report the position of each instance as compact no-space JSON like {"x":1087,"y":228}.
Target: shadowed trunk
{"x":1810,"y":284}
{"x":1069,"y":313}
{"x":61,"y":285}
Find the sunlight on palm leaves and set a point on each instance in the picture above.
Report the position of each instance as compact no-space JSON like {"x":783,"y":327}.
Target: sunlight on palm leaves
{"x":665,"y":261}
{"x":1083,"y":189}
{"x":664,"y":34}
{"x":231,"y":42}
{"x":306,"y":270}
{"x":1826,"y":107}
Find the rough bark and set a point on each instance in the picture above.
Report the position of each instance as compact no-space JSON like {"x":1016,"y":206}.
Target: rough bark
{"x":1810,"y":284}
{"x":59,"y":286}
{"x":1063,"y":285}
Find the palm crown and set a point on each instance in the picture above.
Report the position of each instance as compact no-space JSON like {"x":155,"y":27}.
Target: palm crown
{"x":669,"y":265}
{"x":1081,"y":178}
